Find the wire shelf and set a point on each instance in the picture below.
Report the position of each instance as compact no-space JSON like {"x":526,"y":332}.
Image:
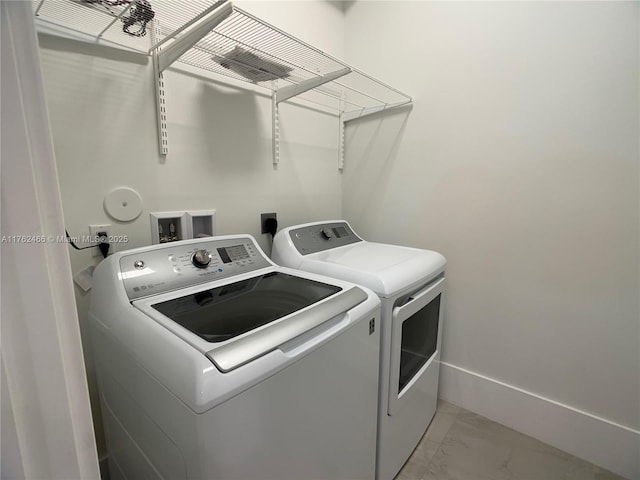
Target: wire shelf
{"x":101,"y":20}
{"x":241,"y":47}
{"x":245,"y":48}
{"x":93,"y":21}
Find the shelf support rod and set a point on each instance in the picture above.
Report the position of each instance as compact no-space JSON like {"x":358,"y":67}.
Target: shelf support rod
{"x":195,"y":19}
{"x":341,"y":124}
{"x":275,"y":127}
{"x":175,"y":50}
{"x":37,"y":12}
{"x":371,"y":110}
{"x":341,"y":129}
{"x":161,"y":112}
{"x":285,"y":93}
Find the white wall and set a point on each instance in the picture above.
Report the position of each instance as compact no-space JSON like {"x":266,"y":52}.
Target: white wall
{"x":519,"y":162}
{"x":102,"y":109}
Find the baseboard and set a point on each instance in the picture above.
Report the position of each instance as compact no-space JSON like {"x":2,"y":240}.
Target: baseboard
{"x":597,"y":440}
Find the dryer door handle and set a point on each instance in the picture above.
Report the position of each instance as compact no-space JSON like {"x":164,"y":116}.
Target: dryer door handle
{"x":425,"y":290}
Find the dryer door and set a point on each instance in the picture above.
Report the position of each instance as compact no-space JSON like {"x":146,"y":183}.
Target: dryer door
{"x":415,"y":344}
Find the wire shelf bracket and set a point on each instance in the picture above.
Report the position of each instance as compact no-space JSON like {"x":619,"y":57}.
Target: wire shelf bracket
{"x":285,"y":93}
{"x":183,"y":43}
{"x":290,"y":91}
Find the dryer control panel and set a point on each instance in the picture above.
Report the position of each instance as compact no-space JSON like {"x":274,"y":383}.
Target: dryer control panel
{"x":322,"y":236}
{"x":160,"y":269}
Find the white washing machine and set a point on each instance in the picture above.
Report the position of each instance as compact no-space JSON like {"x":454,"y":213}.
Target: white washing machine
{"x":214,"y":363}
{"x":410,"y":283}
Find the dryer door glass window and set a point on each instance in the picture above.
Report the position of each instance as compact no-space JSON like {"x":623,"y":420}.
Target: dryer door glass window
{"x":419,"y":341}
{"x":222,"y":313}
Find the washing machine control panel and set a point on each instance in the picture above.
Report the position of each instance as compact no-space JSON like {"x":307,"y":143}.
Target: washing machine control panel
{"x":319,"y":237}
{"x":168,"y":267}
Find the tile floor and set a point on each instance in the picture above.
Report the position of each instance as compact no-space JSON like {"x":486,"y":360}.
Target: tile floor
{"x":460,"y":445}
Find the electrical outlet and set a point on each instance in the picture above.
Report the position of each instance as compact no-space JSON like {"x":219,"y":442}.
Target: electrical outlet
{"x":263,"y":221}
{"x":94,"y":230}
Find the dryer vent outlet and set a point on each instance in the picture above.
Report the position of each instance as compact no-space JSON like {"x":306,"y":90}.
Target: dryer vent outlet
{"x":268,"y":223}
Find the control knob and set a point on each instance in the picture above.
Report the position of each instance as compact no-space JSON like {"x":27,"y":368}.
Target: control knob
{"x":201,"y":259}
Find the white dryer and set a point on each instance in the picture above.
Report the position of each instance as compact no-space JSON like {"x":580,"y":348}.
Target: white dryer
{"x":214,"y":363}
{"x":410,"y":283}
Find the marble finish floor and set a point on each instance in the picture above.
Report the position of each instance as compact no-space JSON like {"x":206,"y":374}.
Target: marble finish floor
{"x":461,"y":445}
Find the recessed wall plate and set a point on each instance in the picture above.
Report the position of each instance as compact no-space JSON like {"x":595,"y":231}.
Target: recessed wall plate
{"x":169,"y":227}
{"x":201,"y":223}
{"x":123,"y":204}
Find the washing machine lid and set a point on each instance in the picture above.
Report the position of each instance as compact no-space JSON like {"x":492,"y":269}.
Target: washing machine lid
{"x":385,"y":269}
{"x":238,"y":321}
{"x":223,"y":296}
{"x":224,"y":312}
